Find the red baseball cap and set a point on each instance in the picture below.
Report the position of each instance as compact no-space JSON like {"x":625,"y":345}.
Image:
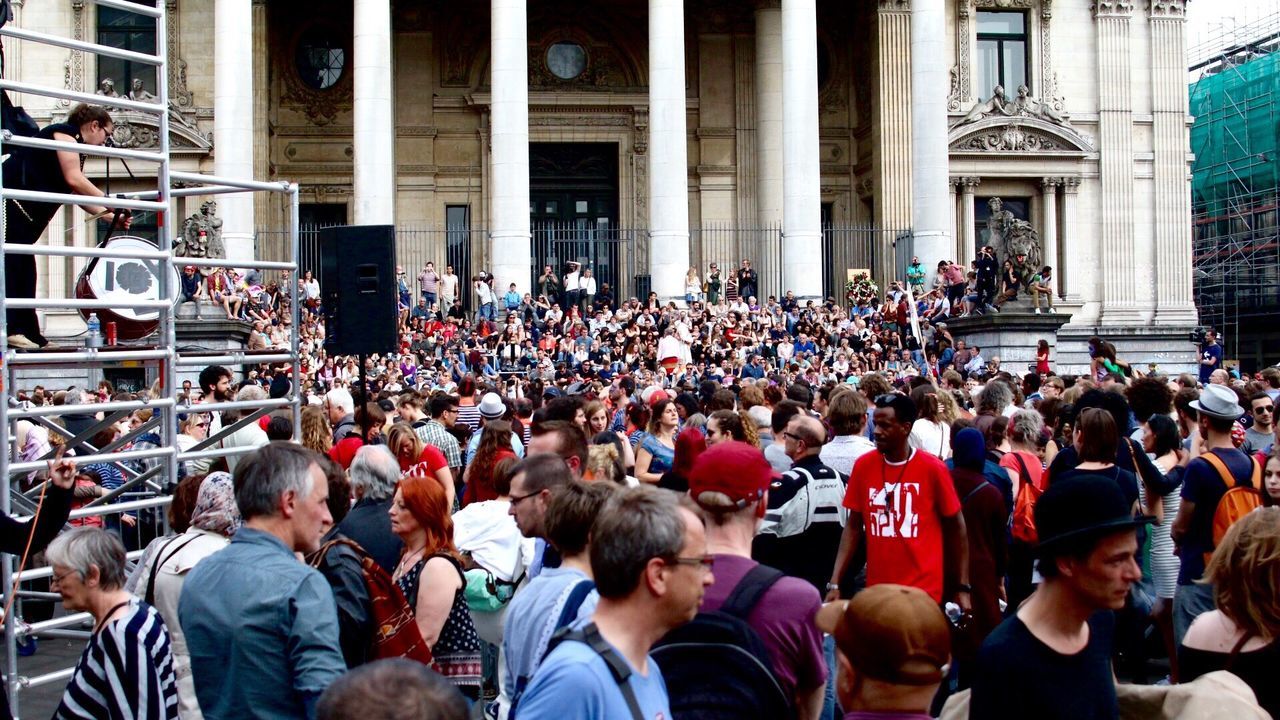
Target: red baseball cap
{"x":737,"y":469}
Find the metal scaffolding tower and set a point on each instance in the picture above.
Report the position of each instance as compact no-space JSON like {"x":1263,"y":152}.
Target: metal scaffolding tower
{"x":1236,"y":141}
{"x":160,"y":353}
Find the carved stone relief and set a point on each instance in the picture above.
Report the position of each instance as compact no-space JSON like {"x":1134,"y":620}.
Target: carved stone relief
{"x":1010,"y":138}
{"x":1175,"y":9}
{"x":1112,"y":8}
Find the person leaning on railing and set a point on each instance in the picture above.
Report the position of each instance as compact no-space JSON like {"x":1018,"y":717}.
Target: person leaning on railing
{"x":56,"y":171}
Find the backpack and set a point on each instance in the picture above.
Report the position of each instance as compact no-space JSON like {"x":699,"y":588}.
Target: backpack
{"x":746,"y":686}
{"x":572,"y":605}
{"x":395,"y":630}
{"x":1236,"y":502}
{"x":1023,"y":522}
{"x":618,"y":667}
{"x":14,"y":119}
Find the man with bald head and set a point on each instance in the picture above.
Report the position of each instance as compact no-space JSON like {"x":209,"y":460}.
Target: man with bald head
{"x":805,"y":517}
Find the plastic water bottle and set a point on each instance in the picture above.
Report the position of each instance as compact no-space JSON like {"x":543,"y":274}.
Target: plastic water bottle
{"x":95,"y":331}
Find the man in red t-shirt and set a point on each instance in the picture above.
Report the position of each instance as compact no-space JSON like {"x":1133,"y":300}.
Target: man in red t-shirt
{"x":903,"y":504}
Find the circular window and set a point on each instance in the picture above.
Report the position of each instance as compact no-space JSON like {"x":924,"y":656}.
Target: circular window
{"x":566,"y":60}
{"x":320,"y":58}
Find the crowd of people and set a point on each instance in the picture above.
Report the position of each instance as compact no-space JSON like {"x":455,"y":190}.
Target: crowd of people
{"x":564,"y":506}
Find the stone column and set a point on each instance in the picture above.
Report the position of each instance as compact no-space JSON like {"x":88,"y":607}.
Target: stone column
{"x":769,"y":113}
{"x":267,"y":207}
{"x":374,"y":166}
{"x":1115,"y":143}
{"x":668,"y":151}
{"x":951,"y":203}
{"x":1067,"y":283}
{"x":1173,"y":248}
{"x":511,"y":251}
{"x":802,"y":178}
{"x":891,"y":133}
{"x":968,"y":218}
{"x":233,"y":120}
{"x":929,"y":157}
{"x":1049,"y":231}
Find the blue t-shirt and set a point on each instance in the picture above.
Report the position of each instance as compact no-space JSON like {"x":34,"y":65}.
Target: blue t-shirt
{"x":1202,"y":485}
{"x":1213,"y":352}
{"x":663,"y":457}
{"x":574,"y":683}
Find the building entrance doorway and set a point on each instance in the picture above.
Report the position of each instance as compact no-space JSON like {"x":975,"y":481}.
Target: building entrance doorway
{"x":573,"y":209}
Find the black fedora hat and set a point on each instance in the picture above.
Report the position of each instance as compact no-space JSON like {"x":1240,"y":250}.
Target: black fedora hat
{"x":1082,"y":507}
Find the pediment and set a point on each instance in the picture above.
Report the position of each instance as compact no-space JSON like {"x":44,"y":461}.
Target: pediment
{"x":1018,"y":135}
{"x":140,"y":131}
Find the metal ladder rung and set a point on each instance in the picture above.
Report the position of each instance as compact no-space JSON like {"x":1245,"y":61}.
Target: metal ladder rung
{"x":62,"y":251}
{"x":84,"y":97}
{"x":132,"y":7}
{"x":73,"y":199}
{"x":46,"y":39}
{"x":8,"y":138}
{"x":179,"y":176}
{"x":222,"y":263}
{"x":79,"y":304}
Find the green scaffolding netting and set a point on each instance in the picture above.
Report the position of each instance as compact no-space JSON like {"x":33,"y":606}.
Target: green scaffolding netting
{"x":1235,"y":135}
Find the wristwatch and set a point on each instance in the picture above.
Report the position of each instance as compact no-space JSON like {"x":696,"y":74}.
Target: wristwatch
{"x":965,"y":588}
{"x":833,"y":586}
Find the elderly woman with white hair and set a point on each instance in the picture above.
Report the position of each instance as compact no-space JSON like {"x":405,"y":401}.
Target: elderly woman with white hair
{"x":167,"y":561}
{"x":127,"y":669}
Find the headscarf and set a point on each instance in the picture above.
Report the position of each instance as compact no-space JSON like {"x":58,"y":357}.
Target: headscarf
{"x":216,"y":509}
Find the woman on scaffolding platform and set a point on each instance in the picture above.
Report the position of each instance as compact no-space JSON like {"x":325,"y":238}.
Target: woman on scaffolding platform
{"x":57,"y":171}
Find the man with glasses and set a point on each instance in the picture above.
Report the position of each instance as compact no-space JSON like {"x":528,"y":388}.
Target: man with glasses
{"x":903,"y":504}
{"x":443,"y":408}
{"x":532,"y":483}
{"x":650,"y":563}
{"x":1260,"y":436}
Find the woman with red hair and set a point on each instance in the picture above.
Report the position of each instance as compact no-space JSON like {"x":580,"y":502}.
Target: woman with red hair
{"x":430,"y":575}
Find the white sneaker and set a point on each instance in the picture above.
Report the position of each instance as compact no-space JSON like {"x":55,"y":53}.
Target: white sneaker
{"x":1053,"y":311}
{"x":1037,"y":311}
{"x":22,"y":342}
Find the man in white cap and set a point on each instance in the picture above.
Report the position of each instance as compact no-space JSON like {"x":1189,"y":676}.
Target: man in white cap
{"x":1211,"y":470}
{"x":492,"y":408}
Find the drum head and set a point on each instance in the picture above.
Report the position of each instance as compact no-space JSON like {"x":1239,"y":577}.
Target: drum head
{"x":126,"y":281}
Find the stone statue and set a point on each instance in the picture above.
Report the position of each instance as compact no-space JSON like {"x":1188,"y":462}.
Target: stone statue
{"x":107,"y":88}
{"x":139,"y":93}
{"x":1023,"y":106}
{"x":202,"y":234}
{"x":1027,"y":105}
{"x":997,"y":104}
{"x":1014,"y":240}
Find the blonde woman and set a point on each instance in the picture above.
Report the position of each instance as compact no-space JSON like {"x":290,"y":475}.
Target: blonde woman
{"x":316,"y":433}
{"x":692,"y":286}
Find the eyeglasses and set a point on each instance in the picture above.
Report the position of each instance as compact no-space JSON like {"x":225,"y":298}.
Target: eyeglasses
{"x":57,"y":579}
{"x":704,"y":562}
{"x":517,"y":499}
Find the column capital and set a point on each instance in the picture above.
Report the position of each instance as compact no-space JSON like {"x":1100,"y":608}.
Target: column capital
{"x":1122,"y":9}
{"x":1071,"y":185}
{"x":1048,"y":184}
{"x":895,"y":5}
{"x":1167,"y":9}
{"x":970,"y":183}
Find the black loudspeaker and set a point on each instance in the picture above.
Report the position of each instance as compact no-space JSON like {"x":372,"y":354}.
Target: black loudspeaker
{"x":358,"y":289}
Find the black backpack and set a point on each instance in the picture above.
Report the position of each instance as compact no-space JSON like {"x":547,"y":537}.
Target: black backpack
{"x":14,"y":119}
{"x":716,"y":667}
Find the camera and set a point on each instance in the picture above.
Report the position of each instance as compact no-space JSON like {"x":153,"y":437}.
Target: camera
{"x":1199,"y":335}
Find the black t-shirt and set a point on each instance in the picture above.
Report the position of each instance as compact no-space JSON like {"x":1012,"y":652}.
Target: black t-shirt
{"x":1018,"y":676}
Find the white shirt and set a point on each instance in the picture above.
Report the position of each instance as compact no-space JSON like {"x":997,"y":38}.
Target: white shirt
{"x":587,"y":285}
{"x":933,"y":438}
{"x":843,"y":451}
{"x":572,"y":281}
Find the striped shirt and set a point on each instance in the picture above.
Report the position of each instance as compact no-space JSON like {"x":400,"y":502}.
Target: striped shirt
{"x":126,"y":671}
{"x":437,"y":435}
{"x":469,"y":415}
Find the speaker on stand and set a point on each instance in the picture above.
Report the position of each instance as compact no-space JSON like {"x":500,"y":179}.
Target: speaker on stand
{"x":358,"y":292}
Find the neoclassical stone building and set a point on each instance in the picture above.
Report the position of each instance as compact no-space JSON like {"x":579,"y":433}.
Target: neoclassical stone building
{"x":809,"y":135}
